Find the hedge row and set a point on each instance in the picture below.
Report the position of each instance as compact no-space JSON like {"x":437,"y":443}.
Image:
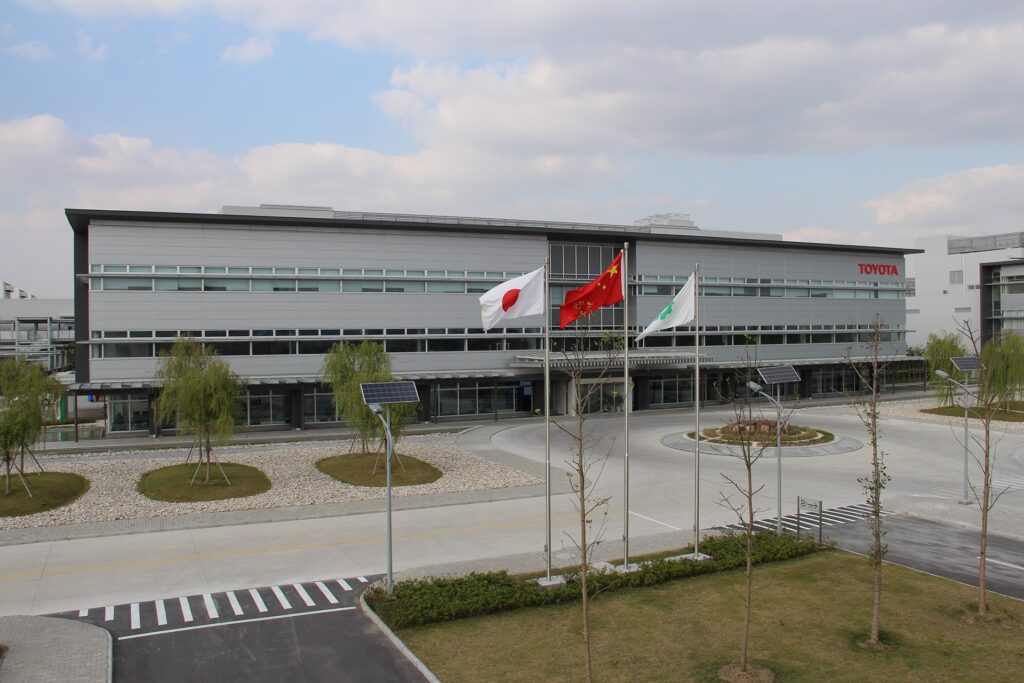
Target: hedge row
{"x":426,"y":601}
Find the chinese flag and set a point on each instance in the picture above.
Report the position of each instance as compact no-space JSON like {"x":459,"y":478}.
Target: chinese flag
{"x":604,"y":291}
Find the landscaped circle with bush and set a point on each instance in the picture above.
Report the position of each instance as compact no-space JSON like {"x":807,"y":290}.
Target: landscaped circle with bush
{"x":50,"y":490}
{"x":357,"y":469}
{"x":174,"y":484}
{"x":761,"y":431}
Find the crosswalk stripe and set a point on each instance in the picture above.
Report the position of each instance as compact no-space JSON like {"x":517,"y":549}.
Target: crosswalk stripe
{"x":280,"y":597}
{"x":362,"y":579}
{"x":135,"y":622}
{"x":108,"y":613}
{"x":327,"y":593}
{"x":161,"y":613}
{"x":211,"y":606}
{"x":83,"y":612}
{"x":235,"y":607}
{"x":344,"y":585}
{"x":258,"y":599}
{"x":186,"y":609}
{"x":303,"y":594}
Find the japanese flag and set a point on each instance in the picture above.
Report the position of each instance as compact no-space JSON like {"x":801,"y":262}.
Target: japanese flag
{"x":516,"y":298}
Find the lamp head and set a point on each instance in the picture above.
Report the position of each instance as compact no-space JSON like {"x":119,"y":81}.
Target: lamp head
{"x":754,"y":386}
{"x":943,"y":374}
{"x":375,"y":408}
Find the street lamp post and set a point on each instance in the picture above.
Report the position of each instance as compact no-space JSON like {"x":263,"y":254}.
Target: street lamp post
{"x":758,"y":389}
{"x":964,"y":500}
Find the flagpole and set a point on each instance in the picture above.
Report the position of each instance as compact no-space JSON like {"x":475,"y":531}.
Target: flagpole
{"x":696,"y":383}
{"x":547,"y":416}
{"x":626,"y":401}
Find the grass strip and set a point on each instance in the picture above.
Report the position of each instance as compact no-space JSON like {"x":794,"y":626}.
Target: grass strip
{"x":1015,"y":412}
{"x":809,"y":615}
{"x":50,"y":490}
{"x":357,"y":469}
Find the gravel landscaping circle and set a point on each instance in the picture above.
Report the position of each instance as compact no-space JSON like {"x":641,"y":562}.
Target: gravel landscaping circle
{"x":293,"y":474}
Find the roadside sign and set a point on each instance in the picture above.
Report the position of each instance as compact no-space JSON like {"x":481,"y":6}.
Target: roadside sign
{"x":811,"y":508}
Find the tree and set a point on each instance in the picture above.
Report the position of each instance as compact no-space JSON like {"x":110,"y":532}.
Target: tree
{"x":347,"y":366}
{"x":994,"y":389}
{"x":201,"y":391}
{"x":869,"y":372}
{"x":750,"y":451}
{"x":585,"y":467}
{"x":27,"y":396}
{"x":938,"y":352}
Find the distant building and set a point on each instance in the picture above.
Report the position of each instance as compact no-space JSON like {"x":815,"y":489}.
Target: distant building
{"x":961,"y":279}
{"x":42,"y":330}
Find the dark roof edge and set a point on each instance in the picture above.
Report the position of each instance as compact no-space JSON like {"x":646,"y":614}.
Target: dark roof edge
{"x":79,"y":220}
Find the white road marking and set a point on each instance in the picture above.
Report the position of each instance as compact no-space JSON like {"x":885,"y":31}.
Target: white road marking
{"x":135,"y":616}
{"x":1005,"y":564}
{"x":362,"y":579}
{"x":108,"y":613}
{"x":161,"y":613}
{"x":651,"y":519}
{"x":186,"y":609}
{"x":235,"y":607}
{"x":303,"y":594}
{"x":327,"y":593}
{"x":83,"y":612}
{"x":281,"y":598}
{"x":344,"y":584}
{"x":211,"y":606}
{"x":294,"y":615}
{"x":258,"y":599}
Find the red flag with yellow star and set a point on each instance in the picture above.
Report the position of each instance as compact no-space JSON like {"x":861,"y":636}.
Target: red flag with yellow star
{"x":604,"y":291}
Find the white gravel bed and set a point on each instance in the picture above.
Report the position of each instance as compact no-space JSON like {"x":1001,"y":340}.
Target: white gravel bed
{"x":290,"y":467}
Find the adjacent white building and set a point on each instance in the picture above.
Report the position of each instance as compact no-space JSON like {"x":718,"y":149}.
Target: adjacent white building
{"x":957,"y":279}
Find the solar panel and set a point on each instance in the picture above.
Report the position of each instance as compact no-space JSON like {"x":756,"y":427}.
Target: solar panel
{"x":389,"y":392}
{"x":779,"y":374}
{"x":964,"y":363}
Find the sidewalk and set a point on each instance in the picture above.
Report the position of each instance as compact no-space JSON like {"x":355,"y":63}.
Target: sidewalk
{"x":54,"y":650}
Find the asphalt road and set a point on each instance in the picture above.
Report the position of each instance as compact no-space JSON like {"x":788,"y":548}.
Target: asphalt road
{"x":312,"y":631}
{"x":941,"y":549}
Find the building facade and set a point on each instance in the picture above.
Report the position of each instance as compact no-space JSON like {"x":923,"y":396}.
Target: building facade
{"x":41,"y":330}
{"x":957,"y":280}
{"x":274,"y":288}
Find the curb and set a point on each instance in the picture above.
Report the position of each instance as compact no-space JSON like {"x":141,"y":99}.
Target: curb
{"x":395,"y":640}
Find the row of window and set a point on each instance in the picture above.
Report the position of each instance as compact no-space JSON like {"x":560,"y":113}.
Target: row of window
{"x":302,"y":272}
{"x":140,"y":284}
{"x":455,"y":345}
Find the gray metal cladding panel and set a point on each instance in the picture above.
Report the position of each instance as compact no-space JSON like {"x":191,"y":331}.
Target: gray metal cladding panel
{"x":142,"y":243}
{"x":779,"y":261}
{"x":724,"y":310}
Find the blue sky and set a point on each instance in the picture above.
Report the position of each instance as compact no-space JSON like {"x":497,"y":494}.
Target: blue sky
{"x":858,"y":122}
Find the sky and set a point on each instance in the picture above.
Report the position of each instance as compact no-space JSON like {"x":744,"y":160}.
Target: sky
{"x":851,"y":121}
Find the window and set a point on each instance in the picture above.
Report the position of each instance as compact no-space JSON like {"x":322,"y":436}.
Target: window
{"x":135,"y":284}
{"x":956,"y":277}
{"x":362,"y":286}
{"x":225,"y":285}
{"x":319,"y":286}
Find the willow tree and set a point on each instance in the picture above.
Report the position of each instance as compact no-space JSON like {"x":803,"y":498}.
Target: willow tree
{"x":939,"y":352}
{"x":201,"y":391}
{"x":27,"y":394}
{"x":347,"y":366}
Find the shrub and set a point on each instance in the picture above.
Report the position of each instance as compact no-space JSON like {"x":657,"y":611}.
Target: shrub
{"x":425,"y":601}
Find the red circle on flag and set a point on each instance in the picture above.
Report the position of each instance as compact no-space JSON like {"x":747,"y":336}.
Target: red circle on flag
{"x":508,"y":300}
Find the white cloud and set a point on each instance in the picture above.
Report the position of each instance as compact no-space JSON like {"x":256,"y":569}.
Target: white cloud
{"x":252,"y":50}
{"x":172,"y":40}
{"x":32,"y":50}
{"x":975,"y":201}
{"x":89,"y":48}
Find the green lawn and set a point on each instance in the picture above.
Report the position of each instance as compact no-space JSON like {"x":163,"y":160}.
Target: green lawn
{"x":357,"y":469}
{"x":172,"y":483}
{"x":809,"y":615}
{"x":1014,"y":414}
{"x":50,"y":490}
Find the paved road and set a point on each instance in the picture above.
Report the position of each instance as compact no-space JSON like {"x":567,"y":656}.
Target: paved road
{"x":943,"y":550}
{"x":311,"y":631}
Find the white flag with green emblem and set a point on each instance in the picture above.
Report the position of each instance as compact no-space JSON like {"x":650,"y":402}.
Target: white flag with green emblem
{"x":679,"y":311}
